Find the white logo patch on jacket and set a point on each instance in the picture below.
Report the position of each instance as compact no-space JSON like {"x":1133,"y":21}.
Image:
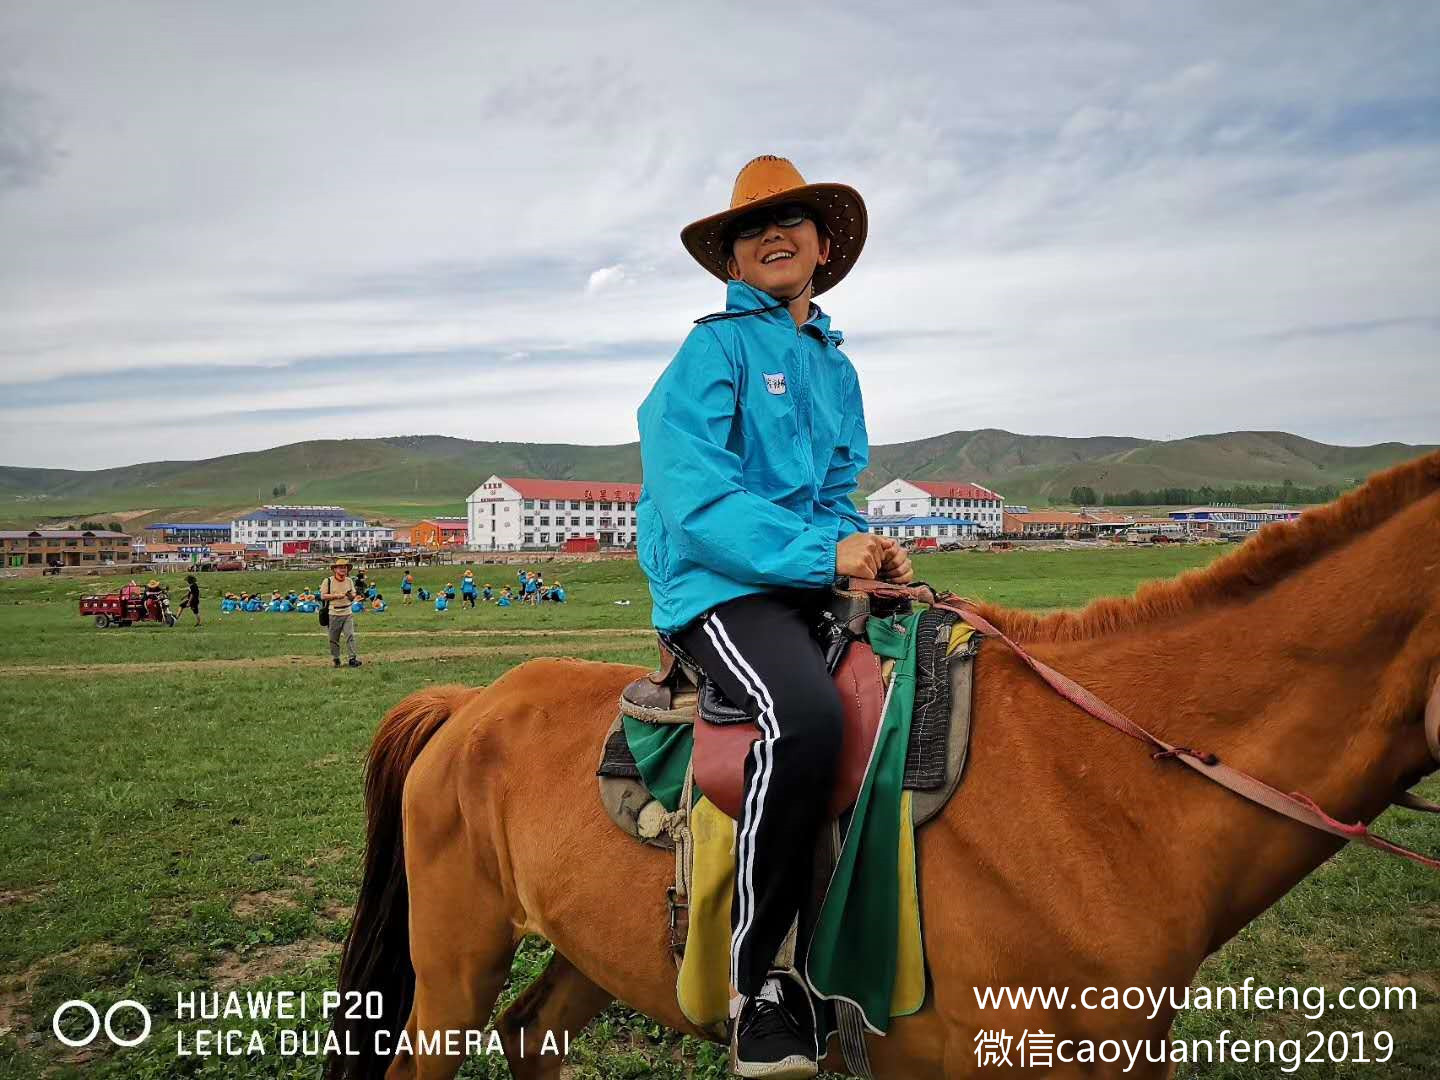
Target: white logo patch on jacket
{"x":774,"y":383}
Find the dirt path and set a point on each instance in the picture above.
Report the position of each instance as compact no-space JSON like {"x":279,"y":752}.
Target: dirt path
{"x":320,"y":660}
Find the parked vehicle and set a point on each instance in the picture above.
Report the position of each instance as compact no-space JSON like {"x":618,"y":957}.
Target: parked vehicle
{"x":132,"y":604}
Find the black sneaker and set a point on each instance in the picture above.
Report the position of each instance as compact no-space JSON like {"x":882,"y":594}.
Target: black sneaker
{"x":335,"y":660}
{"x":354,"y":661}
{"x":775,"y":1038}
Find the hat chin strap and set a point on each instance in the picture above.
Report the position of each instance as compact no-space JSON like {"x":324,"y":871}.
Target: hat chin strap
{"x":720,"y":315}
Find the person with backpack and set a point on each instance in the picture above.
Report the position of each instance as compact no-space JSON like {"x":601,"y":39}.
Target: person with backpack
{"x":340,"y":593}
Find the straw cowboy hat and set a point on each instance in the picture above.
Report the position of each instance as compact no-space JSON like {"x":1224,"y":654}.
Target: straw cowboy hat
{"x":340,"y":562}
{"x":774,"y":181}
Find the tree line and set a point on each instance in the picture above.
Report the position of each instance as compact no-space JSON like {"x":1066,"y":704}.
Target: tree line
{"x":1286,"y":492}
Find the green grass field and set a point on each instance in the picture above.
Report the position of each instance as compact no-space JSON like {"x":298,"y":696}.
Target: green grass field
{"x":182,"y":810}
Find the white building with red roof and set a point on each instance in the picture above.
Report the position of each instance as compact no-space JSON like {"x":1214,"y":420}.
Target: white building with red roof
{"x":939,"y":499}
{"x":507,"y":513}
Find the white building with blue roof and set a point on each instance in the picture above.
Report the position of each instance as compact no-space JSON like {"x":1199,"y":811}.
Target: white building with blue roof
{"x":322,"y":528}
{"x":952,"y":500}
{"x":913,"y":526}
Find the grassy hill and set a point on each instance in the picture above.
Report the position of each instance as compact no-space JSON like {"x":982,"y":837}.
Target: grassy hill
{"x":408,"y":477}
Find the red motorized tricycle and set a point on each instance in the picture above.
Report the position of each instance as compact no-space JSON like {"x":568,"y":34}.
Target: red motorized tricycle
{"x":132,"y":604}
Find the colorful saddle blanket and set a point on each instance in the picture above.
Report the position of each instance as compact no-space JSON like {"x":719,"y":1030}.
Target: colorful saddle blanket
{"x":915,"y":759}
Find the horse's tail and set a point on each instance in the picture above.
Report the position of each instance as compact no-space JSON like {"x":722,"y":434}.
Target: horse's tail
{"x":376,"y":956}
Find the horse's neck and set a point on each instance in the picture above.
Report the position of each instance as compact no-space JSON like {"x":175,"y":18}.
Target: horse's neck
{"x":1288,"y":686}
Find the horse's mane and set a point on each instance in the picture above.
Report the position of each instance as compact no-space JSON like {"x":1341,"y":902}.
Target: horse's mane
{"x":1274,"y":552}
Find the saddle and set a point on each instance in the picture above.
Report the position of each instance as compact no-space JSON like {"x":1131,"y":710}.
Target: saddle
{"x":678,"y":693}
{"x":724,"y":735}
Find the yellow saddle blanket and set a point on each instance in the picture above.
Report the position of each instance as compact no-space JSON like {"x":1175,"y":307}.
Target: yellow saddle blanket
{"x":704,"y":980}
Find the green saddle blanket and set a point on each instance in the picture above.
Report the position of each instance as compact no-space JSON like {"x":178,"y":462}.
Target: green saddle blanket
{"x":874,"y":880}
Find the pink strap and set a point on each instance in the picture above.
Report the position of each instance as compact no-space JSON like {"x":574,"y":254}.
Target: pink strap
{"x":1296,"y":806}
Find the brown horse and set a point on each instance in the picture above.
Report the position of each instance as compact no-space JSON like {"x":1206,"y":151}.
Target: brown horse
{"x":1067,"y":859}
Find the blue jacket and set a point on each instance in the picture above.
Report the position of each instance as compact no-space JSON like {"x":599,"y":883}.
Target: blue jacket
{"x":751,"y":443}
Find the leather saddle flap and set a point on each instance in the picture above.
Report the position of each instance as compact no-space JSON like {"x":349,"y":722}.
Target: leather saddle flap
{"x":721,"y":749}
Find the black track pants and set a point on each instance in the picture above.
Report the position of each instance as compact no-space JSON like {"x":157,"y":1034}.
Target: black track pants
{"x":759,"y":650}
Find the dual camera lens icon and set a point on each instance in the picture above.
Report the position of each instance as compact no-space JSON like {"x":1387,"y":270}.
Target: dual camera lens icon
{"x":96,"y":1024}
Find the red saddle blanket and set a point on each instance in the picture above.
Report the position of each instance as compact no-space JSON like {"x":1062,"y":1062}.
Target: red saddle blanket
{"x":721,"y":749}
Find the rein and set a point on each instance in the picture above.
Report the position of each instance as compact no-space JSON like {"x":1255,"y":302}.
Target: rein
{"x":1295,"y":805}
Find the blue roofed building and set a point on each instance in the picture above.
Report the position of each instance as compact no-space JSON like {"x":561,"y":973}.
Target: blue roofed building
{"x":287,"y":530}
{"x":190,"y":532}
{"x":953,"y":500}
{"x":1231,"y":519}
{"x":943,"y":529}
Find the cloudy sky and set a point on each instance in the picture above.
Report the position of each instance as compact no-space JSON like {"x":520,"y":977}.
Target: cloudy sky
{"x":230,"y":225}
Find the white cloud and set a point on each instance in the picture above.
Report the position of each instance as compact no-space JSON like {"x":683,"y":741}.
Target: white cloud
{"x":607,"y":277}
{"x":1121,"y":218}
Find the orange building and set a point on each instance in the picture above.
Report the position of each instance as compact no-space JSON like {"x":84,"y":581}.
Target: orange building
{"x":440,"y":532}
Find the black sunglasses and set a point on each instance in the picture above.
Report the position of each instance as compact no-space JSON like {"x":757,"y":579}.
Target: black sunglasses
{"x":752,"y":225}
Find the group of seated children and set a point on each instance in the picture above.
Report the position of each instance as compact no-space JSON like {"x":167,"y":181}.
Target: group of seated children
{"x":307,"y":602}
{"x":531,"y":589}
{"x":369,"y":600}
{"x":253,"y":602}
